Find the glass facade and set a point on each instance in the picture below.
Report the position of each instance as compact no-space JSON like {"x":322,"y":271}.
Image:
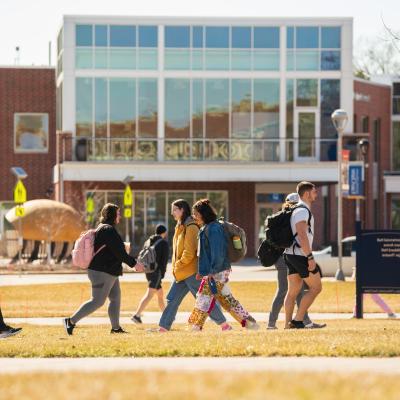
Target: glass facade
{"x":151,"y":208}
{"x":213,"y":118}
{"x":313,"y":48}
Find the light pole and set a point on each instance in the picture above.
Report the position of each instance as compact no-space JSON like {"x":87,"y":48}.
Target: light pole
{"x":339,"y":119}
{"x":363,"y":145}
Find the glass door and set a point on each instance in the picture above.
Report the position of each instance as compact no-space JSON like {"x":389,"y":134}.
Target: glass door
{"x":262,"y":212}
{"x":306,"y":125}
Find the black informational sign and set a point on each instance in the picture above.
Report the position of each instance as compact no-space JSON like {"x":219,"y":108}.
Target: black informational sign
{"x":377,"y":264}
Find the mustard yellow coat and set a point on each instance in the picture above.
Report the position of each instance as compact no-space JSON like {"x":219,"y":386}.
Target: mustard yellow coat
{"x":184,"y":250}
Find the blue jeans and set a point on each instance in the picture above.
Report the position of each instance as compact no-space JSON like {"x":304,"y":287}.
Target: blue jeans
{"x":175,"y":297}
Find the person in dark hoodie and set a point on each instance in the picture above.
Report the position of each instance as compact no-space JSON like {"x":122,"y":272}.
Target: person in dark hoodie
{"x":104,"y":271}
{"x":154,"y":278}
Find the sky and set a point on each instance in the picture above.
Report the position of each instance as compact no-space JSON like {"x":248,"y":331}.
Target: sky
{"x":32,"y":24}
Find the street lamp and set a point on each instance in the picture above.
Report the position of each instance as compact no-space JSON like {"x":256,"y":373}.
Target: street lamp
{"x":363,"y":145}
{"x":339,"y":119}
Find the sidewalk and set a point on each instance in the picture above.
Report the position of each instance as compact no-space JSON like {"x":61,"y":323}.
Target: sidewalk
{"x":182,"y":318}
{"x":341,"y":365}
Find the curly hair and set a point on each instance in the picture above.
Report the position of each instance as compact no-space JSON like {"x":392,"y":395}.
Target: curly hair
{"x":206,"y":210}
{"x":108,"y":214}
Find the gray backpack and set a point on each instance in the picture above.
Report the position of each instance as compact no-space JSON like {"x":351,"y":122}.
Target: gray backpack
{"x":148,"y":256}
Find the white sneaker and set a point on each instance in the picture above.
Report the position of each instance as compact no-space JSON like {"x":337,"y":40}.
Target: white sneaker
{"x":251,"y":324}
{"x":392,"y":315}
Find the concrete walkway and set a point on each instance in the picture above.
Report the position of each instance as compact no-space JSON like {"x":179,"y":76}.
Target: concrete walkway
{"x":239,"y":273}
{"x":390,"y":366}
{"x":182,"y":318}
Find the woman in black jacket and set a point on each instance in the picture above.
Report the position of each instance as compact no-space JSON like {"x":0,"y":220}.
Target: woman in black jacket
{"x":104,"y":271}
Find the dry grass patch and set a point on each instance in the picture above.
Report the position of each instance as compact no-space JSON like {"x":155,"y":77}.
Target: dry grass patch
{"x":350,"y":338}
{"x":63,"y":299}
{"x":199,"y":386}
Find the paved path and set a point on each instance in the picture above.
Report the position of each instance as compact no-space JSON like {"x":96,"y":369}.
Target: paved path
{"x":182,"y":317}
{"x":239,"y":273}
{"x":250,"y":364}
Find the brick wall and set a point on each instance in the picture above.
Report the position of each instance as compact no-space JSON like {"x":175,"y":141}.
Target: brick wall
{"x":25,"y":90}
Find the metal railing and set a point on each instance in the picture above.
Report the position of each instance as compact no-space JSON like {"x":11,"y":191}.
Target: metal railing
{"x":200,"y":150}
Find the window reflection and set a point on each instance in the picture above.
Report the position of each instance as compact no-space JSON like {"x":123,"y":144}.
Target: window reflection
{"x":177,"y":112}
{"x":266,"y":108}
{"x":148,"y":108}
{"x":217,"y":110}
{"x":84,"y":104}
{"x":241,"y":108}
{"x":122,"y":107}
{"x":307,"y":92}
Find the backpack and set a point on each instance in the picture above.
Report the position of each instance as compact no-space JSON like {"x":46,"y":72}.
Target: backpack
{"x":148,"y":256}
{"x":279,"y":235}
{"x":231,"y":230}
{"x":83,"y":251}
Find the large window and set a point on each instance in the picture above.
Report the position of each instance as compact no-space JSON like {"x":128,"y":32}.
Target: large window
{"x":151,"y":208}
{"x":31,"y":133}
{"x":241,"y":108}
{"x":396,"y":98}
{"x":306,"y":92}
{"x":84,"y":107}
{"x":221,"y":48}
{"x":396,"y":146}
{"x":116,"y":47}
{"x":313,"y":48}
{"x":217,"y":108}
{"x":395,"y":214}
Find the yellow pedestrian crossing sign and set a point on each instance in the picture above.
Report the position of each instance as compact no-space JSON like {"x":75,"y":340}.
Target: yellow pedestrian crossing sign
{"x":19,"y":211}
{"x":128,"y":196}
{"x":90,"y":205}
{"x":127,"y":212}
{"x":19,"y":192}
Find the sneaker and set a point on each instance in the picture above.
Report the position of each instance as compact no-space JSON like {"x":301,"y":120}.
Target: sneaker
{"x":195,"y":328}
{"x":226,"y":327}
{"x":119,"y":330}
{"x":314,"y":325}
{"x":136,"y":319}
{"x":68,"y":325}
{"x":272,"y":327}
{"x":392,"y":315}
{"x":293,"y":324}
{"x":160,"y":329}
{"x":9,"y":331}
{"x":251,"y":324}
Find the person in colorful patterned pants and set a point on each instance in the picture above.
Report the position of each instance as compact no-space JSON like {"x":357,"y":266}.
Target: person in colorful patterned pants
{"x":214,"y":269}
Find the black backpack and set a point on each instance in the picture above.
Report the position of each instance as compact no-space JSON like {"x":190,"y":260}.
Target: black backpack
{"x":279,"y":235}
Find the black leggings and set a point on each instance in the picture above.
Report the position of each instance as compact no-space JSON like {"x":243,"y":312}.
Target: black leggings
{"x":2,"y":323}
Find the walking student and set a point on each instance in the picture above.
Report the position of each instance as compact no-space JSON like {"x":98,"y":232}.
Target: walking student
{"x":282,"y":271}
{"x":184,"y":267}
{"x":6,"y":330}
{"x":154,"y":278}
{"x":214,"y":269}
{"x":104,"y":271}
{"x":300,"y":260}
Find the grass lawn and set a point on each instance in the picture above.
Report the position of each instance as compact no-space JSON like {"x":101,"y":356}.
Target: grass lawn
{"x":63,"y":299}
{"x":199,"y":386}
{"x":349,"y":338}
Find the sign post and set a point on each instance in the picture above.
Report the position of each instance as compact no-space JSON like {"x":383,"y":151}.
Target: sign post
{"x":20,"y":199}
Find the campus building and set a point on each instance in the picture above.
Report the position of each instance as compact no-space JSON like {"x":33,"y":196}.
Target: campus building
{"x":235,"y":109}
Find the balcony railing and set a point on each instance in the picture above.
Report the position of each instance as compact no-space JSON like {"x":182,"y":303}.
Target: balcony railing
{"x":198,"y":150}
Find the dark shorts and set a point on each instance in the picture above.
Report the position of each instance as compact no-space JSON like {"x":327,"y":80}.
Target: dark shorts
{"x":299,"y":265}
{"x":154,"y":279}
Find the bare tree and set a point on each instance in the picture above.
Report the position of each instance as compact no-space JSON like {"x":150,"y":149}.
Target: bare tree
{"x":378,"y":55}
